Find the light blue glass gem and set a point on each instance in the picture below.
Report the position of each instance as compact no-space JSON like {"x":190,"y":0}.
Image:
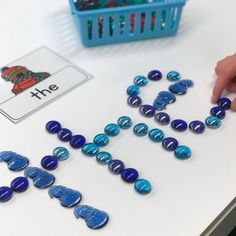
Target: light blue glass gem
{"x":167,"y":97}
{"x":133,"y":90}
{"x":213,"y":122}
{"x":124,"y":122}
{"x":67,"y":197}
{"x":156,"y":135}
{"x":101,"y":140}
{"x":112,"y":130}
{"x":61,"y":153}
{"x":104,"y":158}
{"x":187,"y":83}
{"x":140,"y":129}
{"x":177,"y":88}
{"x":90,"y":149}
{"x":182,"y":152}
{"x":140,"y":80}
{"x":173,"y":76}
{"x":142,"y":186}
{"x":159,"y":104}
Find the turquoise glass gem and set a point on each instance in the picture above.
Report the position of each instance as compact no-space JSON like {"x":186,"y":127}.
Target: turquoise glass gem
{"x":142,"y":186}
{"x":112,"y":130}
{"x":156,"y":135}
{"x":140,"y":80}
{"x":213,"y":122}
{"x":90,"y":149}
{"x":67,"y":197}
{"x":124,"y":122}
{"x":173,"y":76}
{"x":133,"y":90}
{"x":101,"y":140}
{"x":182,"y":152}
{"x":225,"y":103}
{"x":104,"y":158}
{"x":140,"y":129}
{"x":61,"y":153}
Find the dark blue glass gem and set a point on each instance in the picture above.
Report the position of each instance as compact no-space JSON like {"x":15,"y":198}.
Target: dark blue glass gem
{"x":49,"y":162}
{"x":112,"y":130}
{"x":140,"y":80}
{"x":64,"y":135}
{"x":224,"y":103}
{"x":140,"y":129}
{"x":134,"y":101}
{"x":177,"y":88}
{"x":94,"y":218}
{"x":41,"y":179}
{"x":179,"y":125}
{"x":169,"y":144}
{"x":116,"y":166}
{"x":187,"y":83}
{"x":147,"y":110}
{"x":156,"y":135}
{"x":162,"y":118}
{"x":5,"y":194}
{"x":173,"y":76}
{"x":104,"y":158}
{"x":53,"y":126}
{"x":154,"y":75}
{"x":159,"y":104}
{"x":167,"y":97}
{"x":20,"y":184}
{"x":129,"y":175}
{"x":142,"y":186}
{"x":124,"y":122}
{"x":133,"y":90}
{"x":101,"y":140}
{"x":197,"y":126}
{"x":67,"y":197}
{"x":218,"y":112}
{"x":90,"y":149}
{"x":77,"y":141}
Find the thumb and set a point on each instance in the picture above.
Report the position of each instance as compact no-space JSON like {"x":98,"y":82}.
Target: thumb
{"x":233,"y":105}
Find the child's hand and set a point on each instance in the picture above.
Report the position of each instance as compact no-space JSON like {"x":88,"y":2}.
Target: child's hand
{"x":226,"y":79}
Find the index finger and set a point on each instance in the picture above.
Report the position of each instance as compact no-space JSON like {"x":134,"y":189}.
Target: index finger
{"x":218,"y":88}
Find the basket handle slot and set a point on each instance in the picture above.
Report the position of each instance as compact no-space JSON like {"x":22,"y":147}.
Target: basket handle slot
{"x":90,"y":28}
{"x":153,"y":20}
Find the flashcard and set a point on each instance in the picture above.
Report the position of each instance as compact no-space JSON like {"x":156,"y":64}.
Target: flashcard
{"x":35,"y":80}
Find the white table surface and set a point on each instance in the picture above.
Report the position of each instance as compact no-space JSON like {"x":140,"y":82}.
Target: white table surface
{"x":187,"y":195}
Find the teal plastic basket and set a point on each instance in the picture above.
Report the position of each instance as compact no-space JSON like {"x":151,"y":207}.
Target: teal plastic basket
{"x":159,"y":18}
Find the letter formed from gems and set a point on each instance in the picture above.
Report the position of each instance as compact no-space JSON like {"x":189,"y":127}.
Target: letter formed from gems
{"x":14,"y":161}
{"x":41,"y":179}
{"x":67,"y":197}
{"x":94,"y":218}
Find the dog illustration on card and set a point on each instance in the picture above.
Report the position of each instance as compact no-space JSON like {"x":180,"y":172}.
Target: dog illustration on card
{"x":22,"y":78}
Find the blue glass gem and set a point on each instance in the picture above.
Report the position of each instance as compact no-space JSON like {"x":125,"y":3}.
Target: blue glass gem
{"x":147,"y":110}
{"x":162,"y":118}
{"x":159,"y":104}
{"x":187,"y":83}
{"x":41,"y":179}
{"x":167,"y":97}
{"x":64,"y":135}
{"x":67,"y":197}
{"x":140,"y":129}
{"x":5,"y":194}
{"x":182,"y":152}
{"x":104,"y":158}
{"x":90,"y":149}
{"x":116,"y":166}
{"x":218,"y":112}
{"x":101,"y":140}
{"x":156,"y":135}
{"x":179,"y":125}
{"x":94,"y":218}
{"x":14,"y":161}
{"x":142,"y":186}
{"x":134,"y":101}
{"x":53,"y":126}
{"x":177,"y":88}
{"x":49,"y":162}
{"x":129,"y":175}
{"x":77,"y":141}
{"x":133,"y":90}
{"x":20,"y":184}
{"x":173,"y":76}
{"x":197,"y":126}
{"x":140,"y":80}
{"x":112,"y":130}
{"x":213,"y":122}
{"x":61,"y":153}
{"x":224,"y":103}
{"x":154,"y":75}
{"x":169,"y":144}
{"x":124,"y":122}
